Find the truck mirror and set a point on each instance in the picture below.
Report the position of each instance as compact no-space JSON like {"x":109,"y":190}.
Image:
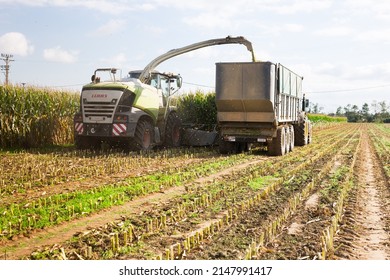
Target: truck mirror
{"x":307,"y":103}
{"x":179,"y":81}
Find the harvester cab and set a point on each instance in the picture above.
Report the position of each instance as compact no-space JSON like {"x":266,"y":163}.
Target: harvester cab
{"x":167,"y":84}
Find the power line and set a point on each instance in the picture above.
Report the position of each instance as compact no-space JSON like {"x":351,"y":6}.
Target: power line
{"x":199,"y":85}
{"x":345,"y":90}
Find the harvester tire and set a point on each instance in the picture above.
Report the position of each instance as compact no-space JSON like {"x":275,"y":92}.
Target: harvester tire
{"x":87,"y":143}
{"x":173,"y":131}
{"x":80,"y":143}
{"x":143,"y":139}
{"x":226,"y":147}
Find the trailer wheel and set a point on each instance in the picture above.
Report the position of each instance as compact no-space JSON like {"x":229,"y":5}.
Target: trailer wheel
{"x":277,"y":147}
{"x":172,"y":131}
{"x":143,"y":139}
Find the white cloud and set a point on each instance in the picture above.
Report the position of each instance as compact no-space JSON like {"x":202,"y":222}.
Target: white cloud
{"x":291,"y":27}
{"x":335,"y":31}
{"x":15,"y":43}
{"x":111,"y":27}
{"x":298,"y":6}
{"x":57,"y":54}
{"x":376,"y":73}
{"x":377,"y":35}
{"x":104,"y":6}
{"x":118,"y":60}
{"x":378,"y":9}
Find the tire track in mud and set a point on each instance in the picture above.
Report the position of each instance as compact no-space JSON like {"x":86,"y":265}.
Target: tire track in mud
{"x":365,"y":232}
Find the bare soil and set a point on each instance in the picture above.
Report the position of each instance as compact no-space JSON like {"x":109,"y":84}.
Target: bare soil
{"x":365,"y":234}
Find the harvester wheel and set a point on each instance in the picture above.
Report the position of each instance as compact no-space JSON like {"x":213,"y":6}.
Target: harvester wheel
{"x":226,"y":147}
{"x":87,"y":143}
{"x":80,"y":142}
{"x":143,"y":139}
{"x":172,"y":131}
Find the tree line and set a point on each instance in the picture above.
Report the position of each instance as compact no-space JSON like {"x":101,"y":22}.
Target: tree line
{"x":375,"y":112}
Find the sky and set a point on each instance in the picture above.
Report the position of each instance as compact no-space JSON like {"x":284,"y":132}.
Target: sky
{"x":340,"y":47}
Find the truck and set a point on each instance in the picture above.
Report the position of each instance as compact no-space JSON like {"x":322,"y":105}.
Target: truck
{"x":138,"y":111}
{"x":263,"y":103}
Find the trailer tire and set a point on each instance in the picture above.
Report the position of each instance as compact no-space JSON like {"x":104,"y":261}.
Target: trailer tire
{"x":143,"y":139}
{"x":173,"y":131}
{"x":277,"y":147}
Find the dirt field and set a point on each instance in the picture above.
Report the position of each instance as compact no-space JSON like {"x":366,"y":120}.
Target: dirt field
{"x":327,"y":200}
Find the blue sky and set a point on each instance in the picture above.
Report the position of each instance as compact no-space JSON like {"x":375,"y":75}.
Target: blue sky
{"x":341,"y":47}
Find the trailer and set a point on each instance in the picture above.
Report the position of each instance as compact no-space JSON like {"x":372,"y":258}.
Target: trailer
{"x":260,"y":102}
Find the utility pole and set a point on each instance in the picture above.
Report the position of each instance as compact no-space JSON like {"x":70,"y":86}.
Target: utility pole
{"x":7,"y":59}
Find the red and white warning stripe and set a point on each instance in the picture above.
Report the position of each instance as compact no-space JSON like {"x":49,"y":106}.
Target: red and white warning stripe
{"x":79,"y":128}
{"x":118,"y":128}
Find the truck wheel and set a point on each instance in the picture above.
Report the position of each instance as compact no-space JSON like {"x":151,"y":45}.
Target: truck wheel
{"x":292,"y":138}
{"x":301,"y":134}
{"x":172,"y":131}
{"x":277,"y":147}
{"x":143,"y":139}
{"x":288,"y":139}
{"x":226,"y":147}
{"x":310,"y":134}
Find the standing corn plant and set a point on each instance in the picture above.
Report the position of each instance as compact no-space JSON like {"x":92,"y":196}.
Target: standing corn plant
{"x":198,"y":109}
{"x":34,"y":117}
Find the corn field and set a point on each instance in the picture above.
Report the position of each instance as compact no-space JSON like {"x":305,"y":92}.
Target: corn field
{"x":192,"y":204}
{"x":36,"y":117}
